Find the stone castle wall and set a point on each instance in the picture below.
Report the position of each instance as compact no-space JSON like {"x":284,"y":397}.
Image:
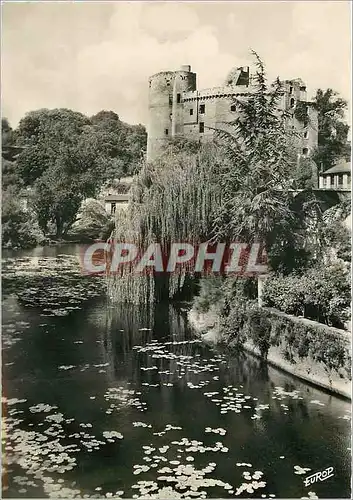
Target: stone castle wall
{"x":178,"y":109}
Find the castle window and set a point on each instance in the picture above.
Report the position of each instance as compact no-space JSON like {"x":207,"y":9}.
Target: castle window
{"x":166,"y":131}
{"x":191,"y":111}
{"x":306,"y":134}
{"x":113,"y":208}
{"x":291,"y":90}
{"x":233,"y":107}
{"x":201,"y":127}
{"x":178,"y":98}
{"x":303,"y":89}
{"x":305,"y":151}
{"x":202,"y":109}
{"x":340,"y":179}
{"x":292,"y":102}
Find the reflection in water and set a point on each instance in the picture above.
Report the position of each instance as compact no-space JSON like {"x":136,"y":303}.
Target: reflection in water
{"x":123,"y":401}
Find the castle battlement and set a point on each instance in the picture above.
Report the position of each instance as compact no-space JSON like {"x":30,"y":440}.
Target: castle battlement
{"x":218,"y":92}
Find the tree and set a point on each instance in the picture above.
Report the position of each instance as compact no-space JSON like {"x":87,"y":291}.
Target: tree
{"x":10,"y":175}
{"x":305,"y":174}
{"x":123,"y":144}
{"x":333,"y":130}
{"x":173,"y":199}
{"x":75,"y":175}
{"x":7,"y":136}
{"x":261,"y":179}
{"x":44,"y":134}
{"x":66,"y":158}
{"x":334,"y":237}
{"x":258,"y":178}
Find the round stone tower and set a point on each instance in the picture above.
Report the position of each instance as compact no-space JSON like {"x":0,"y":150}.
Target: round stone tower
{"x":165,"y":106}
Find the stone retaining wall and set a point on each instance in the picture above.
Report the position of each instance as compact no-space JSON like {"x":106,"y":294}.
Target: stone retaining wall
{"x":314,"y":352}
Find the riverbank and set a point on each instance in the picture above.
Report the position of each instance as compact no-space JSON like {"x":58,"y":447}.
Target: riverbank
{"x":50,"y":242}
{"x":306,"y":349}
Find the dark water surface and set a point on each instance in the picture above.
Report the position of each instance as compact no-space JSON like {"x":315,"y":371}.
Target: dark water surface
{"x":109,"y":401}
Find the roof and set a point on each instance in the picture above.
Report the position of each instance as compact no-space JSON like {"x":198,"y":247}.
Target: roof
{"x":340,"y":168}
{"x":117,"y":197}
{"x":126,"y":180}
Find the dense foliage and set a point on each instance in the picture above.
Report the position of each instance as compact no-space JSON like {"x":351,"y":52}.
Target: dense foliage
{"x":333,"y":130}
{"x":63,"y":157}
{"x":322,"y":293}
{"x":19,"y":227}
{"x":92,"y":222}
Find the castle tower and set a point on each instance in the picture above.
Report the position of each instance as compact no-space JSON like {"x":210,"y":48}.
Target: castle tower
{"x":166,"y":107}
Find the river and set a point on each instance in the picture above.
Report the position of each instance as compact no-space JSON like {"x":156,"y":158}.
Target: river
{"x":101,"y":400}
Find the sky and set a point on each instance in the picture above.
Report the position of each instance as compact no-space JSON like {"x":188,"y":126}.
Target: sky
{"x":90,"y":56}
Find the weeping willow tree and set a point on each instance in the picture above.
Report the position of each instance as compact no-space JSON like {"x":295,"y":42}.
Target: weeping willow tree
{"x":174,"y":199}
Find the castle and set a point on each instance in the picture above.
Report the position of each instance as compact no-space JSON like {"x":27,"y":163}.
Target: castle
{"x":178,"y":109}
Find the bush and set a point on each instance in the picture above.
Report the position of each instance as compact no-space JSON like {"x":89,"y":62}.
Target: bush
{"x":321,"y":294}
{"x":93,"y":222}
{"x":209,"y":293}
{"x":246,"y":321}
{"x":259,"y":327}
{"x":19,"y":228}
{"x":224,"y":292}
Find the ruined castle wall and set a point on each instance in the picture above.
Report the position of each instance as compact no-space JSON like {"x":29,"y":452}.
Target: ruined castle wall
{"x":211,"y":110}
{"x":177,"y":109}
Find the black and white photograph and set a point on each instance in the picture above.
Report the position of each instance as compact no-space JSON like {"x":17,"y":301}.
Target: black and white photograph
{"x":176,"y":249}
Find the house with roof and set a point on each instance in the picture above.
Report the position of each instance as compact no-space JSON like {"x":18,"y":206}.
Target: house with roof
{"x":336,"y":178}
{"x":117,"y":195}
{"x":114,"y":202}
